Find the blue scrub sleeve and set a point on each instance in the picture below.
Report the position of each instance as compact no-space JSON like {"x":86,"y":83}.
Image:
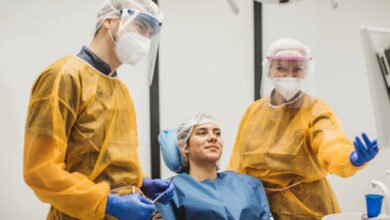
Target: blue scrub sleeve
{"x":262,"y":198}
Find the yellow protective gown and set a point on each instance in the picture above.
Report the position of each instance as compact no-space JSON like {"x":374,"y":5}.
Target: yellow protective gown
{"x":80,"y":139}
{"x":285,"y":145}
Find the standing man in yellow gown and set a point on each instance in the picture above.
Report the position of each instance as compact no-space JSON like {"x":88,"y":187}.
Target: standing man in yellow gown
{"x":291,"y":140}
{"x":81,"y":149}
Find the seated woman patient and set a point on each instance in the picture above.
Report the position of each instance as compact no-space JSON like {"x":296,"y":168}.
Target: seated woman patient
{"x":202,"y":192}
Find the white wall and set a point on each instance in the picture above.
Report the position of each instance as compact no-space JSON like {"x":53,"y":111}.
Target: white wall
{"x":341,"y":78}
{"x":206,"y":64}
{"x":33,"y":35}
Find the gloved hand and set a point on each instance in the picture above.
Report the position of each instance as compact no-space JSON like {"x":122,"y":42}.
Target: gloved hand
{"x":130,"y":206}
{"x":363,"y":152}
{"x":152,"y":188}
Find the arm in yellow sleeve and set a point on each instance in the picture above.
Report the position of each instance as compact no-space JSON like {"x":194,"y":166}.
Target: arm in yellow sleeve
{"x":235,"y":158}
{"x":329,"y":141}
{"x":52,"y":112}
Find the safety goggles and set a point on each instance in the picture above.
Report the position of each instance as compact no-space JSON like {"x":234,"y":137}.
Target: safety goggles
{"x":143,"y":21}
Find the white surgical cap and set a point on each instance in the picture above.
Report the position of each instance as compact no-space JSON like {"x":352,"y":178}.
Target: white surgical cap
{"x":111,"y":9}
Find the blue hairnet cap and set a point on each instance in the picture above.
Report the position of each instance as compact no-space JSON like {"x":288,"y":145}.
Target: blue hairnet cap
{"x":170,"y":149}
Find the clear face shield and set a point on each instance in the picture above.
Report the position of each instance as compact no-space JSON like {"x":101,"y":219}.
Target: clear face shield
{"x":137,"y":40}
{"x":287,"y":73}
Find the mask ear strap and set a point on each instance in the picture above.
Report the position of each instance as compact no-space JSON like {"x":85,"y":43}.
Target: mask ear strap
{"x":112,"y":38}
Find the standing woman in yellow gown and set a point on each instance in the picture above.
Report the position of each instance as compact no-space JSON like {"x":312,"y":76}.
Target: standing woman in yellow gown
{"x":291,"y":141}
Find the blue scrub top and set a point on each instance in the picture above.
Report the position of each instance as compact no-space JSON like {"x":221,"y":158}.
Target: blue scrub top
{"x":230,"y":196}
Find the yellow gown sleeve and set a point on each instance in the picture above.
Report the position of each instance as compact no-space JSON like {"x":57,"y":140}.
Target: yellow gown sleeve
{"x":330,"y":143}
{"x":235,"y":163}
{"x":52,"y":111}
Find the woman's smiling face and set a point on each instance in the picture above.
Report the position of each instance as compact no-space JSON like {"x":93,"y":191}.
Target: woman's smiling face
{"x":205,"y":143}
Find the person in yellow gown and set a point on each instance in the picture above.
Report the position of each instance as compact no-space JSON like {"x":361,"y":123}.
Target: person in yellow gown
{"x":291,"y":141}
{"x":80,"y":150}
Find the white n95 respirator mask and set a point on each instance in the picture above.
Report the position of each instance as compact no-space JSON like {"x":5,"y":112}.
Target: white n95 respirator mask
{"x":288,"y":87}
{"x":131,"y":48}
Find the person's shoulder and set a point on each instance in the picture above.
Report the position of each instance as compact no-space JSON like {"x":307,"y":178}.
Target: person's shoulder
{"x":318,"y":106}
{"x":181,"y":177}
{"x":61,"y":71}
{"x":258,"y":102}
{"x":63,"y":66}
{"x":241,"y":176}
{"x":252,"y":107}
{"x":62,"y":62}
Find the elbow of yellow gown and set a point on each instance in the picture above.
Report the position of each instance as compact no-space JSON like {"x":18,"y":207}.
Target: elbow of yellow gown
{"x":71,"y":193}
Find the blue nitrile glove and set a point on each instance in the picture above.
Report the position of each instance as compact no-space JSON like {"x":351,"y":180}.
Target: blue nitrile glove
{"x":363,"y":152}
{"x":130,"y":206}
{"x":170,"y":149}
{"x":152,"y":188}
